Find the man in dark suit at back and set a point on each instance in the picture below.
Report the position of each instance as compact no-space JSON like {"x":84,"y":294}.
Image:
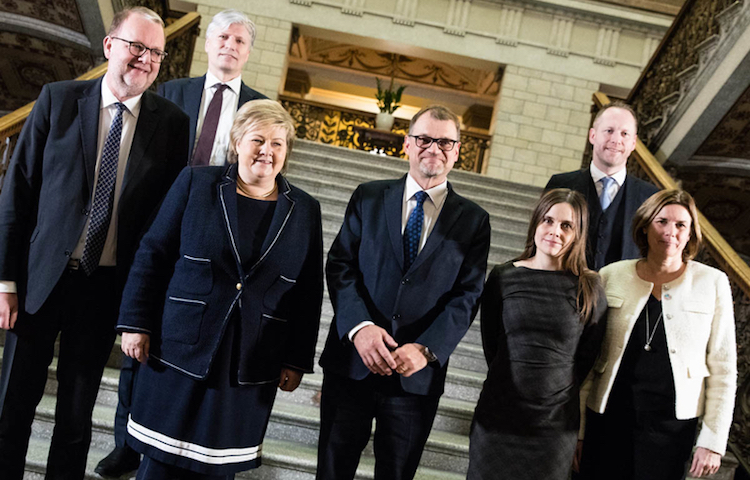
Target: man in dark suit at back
{"x":211,"y":102}
{"x":405,"y":275}
{"x":92,"y":163}
{"x":613,"y":196}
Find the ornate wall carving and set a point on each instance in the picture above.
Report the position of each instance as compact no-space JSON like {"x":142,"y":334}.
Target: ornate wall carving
{"x":63,"y":13}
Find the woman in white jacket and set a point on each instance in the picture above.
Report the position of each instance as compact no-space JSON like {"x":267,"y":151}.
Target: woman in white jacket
{"x":669,"y":357}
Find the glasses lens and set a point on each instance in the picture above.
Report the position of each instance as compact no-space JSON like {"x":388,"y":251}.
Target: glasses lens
{"x":137,"y":49}
{"x":445,"y":144}
{"x":423,"y":142}
{"x":158,"y":56}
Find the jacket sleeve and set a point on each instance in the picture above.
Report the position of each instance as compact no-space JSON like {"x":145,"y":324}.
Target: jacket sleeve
{"x":300,"y":348}
{"x":590,"y":343}
{"x":721,"y":384}
{"x":492,"y":315}
{"x":143,"y":297}
{"x":455,"y":318}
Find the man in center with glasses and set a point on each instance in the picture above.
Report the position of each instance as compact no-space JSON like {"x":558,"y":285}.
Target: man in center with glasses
{"x":405,"y":275}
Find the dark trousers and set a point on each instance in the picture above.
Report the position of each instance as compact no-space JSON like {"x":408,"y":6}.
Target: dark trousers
{"x":128,"y":370}
{"x":151,"y":469}
{"x":402,"y":425}
{"x":631,"y":445}
{"x":83,"y":310}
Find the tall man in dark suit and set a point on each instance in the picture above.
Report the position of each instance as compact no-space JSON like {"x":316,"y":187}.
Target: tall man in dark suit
{"x":212,"y":100}
{"x":405,"y":274}
{"x":612,"y":195}
{"x":93,"y":161}
{"x":229,"y":41}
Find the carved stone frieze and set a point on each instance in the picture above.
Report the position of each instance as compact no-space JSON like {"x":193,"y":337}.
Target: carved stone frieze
{"x":63,"y":13}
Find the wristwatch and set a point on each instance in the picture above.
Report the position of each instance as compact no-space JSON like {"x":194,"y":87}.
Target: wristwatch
{"x":431,"y":357}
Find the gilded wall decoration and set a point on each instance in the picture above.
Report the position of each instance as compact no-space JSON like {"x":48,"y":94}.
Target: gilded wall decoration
{"x":403,"y":67}
{"x":63,"y":13}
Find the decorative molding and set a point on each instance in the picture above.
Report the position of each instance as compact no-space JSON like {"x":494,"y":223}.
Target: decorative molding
{"x":405,"y":12}
{"x":607,"y":45}
{"x":40,"y":28}
{"x":304,"y":3}
{"x":559,"y":36}
{"x":353,"y":7}
{"x":458,"y":17}
{"x":509,"y":26}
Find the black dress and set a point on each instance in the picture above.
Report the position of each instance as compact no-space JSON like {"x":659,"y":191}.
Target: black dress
{"x":220,"y":423}
{"x":527,"y":418}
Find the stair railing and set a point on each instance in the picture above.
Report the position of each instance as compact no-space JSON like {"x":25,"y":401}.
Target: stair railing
{"x":181,"y":35}
{"x":718,"y":253}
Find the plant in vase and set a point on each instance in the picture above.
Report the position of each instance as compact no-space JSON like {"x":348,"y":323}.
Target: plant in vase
{"x":388,"y":101}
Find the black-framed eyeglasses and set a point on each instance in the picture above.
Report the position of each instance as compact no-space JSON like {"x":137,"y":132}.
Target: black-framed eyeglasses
{"x":137,"y":49}
{"x":444,"y":144}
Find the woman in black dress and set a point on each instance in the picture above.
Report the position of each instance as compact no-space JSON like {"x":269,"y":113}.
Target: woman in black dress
{"x":222,"y":305}
{"x":542,"y":326}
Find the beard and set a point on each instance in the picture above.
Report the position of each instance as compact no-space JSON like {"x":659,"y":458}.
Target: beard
{"x":431,"y":169}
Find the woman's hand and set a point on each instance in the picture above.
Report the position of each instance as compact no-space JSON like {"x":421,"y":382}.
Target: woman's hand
{"x":705,"y":462}
{"x":577,"y":457}
{"x":136,"y":345}
{"x":289,"y":379}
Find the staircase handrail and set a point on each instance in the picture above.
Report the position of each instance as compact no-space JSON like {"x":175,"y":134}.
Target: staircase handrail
{"x":725,"y":255}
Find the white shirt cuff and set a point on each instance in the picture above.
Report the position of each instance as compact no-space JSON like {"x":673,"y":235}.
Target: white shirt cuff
{"x":7,"y":286}
{"x":358,"y":328}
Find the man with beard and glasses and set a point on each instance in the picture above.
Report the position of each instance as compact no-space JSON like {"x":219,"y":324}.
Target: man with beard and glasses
{"x":405,"y":275}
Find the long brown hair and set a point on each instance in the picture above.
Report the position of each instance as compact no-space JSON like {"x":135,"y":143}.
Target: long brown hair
{"x":574,"y":259}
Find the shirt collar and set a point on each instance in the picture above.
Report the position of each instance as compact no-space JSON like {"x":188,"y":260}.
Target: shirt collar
{"x":437,"y":193}
{"x":233,"y":84}
{"x":108,"y":99}
{"x":597,"y":175}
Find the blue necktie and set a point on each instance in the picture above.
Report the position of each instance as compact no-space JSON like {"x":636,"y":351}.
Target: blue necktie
{"x":606,"y":198}
{"x":413,"y":231}
{"x":101,"y":208}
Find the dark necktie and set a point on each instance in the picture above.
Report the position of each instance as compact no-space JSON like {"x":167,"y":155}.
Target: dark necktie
{"x":101,"y":208}
{"x":413,"y":231}
{"x":605,"y":199}
{"x":202,"y":152}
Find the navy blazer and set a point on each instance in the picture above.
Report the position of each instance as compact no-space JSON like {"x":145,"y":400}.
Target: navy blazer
{"x":187,"y":279}
{"x":636,"y":192}
{"x":47,"y":192}
{"x":433,"y":303}
{"x":187,"y":94}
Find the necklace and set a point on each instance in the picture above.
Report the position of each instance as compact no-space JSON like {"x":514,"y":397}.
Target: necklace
{"x":647,"y":345}
{"x":243,"y":189}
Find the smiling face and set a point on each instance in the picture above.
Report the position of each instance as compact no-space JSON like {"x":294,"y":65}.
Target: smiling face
{"x":228,"y":50}
{"x":430,"y":166}
{"x":669,"y":232}
{"x":613,"y":138}
{"x":128,"y":75}
{"x":555,"y":233}
{"x":261,"y":153}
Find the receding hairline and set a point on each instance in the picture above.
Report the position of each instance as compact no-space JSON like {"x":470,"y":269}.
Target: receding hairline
{"x":124,"y":15}
{"x":620,"y":106}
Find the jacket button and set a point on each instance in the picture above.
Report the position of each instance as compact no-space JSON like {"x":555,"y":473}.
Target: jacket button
{"x":68,"y":253}
{"x":397,"y":317}
{"x":238,"y":286}
{"x":667,"y":296}
{"x":669,"y":316}
{"x":666,"y":287}
{"x":84,"y":211}
{"x":405,"y":281}
{"x":672,"y":350}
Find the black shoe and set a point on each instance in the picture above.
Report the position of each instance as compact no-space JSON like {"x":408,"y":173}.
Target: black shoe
{"x":120,"y":461}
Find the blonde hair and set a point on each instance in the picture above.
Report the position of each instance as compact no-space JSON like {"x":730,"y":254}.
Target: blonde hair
{"x":260,"y":114}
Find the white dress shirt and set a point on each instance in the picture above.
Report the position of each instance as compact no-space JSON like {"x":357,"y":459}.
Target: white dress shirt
{"x":230,"y":101}
{"x":107,"y":111}
{"x":432,"y":207}
{"x":619,"y":178}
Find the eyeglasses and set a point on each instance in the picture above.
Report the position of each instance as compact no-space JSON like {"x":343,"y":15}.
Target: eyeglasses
{"x":444,"y":144}
{"x":137,"y":49}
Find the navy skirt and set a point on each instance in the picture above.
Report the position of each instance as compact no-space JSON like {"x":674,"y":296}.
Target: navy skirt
{"x":213,"y":427}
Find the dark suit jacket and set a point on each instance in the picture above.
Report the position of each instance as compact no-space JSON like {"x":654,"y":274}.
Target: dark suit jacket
{"x":188,"y":279}
{"x":432,"y":304}
{"x":47,"y":192}
{"x":187,"y":93}
{"x":636,"y":192}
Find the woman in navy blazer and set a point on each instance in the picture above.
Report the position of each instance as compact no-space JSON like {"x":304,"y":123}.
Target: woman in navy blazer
{"x":222,"y":305}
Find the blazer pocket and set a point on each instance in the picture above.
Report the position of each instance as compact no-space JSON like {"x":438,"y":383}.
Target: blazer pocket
{"x":182,"y":320}
{"x":276,"y":301}
{"x":614,"y":301}
{"x":698,"y":371}
{"x":698,"y":306}
{"x":195,"y":274}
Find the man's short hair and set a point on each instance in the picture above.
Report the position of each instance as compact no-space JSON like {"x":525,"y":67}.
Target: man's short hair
{"x":616,"y":104}
{"x":123,"y":15}
{"x":223,"y":20}
{"x":438,"y":112}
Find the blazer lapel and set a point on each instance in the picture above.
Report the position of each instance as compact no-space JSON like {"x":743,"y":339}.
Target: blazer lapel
{"x":393,"y":199}
{"x":451,"y":212}
{"x":245,"y":95}
{"x":145,"y":129}
{"x":228,"y":196}
{"x":284,"y":208}
{"x":192,"y":96}
{"x":88,"y":118}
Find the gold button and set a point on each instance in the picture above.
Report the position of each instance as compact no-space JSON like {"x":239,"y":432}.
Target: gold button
{"x":238,"y":286}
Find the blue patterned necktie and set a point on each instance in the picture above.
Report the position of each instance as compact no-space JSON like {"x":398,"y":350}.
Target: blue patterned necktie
{"x":101,"y":209}
{"x":413,"y":231}
{"x":606,"y":199}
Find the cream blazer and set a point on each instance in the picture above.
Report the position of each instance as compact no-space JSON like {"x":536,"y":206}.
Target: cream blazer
{"x":699,"y":323}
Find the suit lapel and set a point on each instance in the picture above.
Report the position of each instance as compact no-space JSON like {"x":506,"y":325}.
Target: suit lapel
{"x":88,"y":117}
{"x":145,"y":129}
{"x":393,"y":199}
{"x":192,"y":95}
{"x":228,"y":195}
{"x":451,"y":212}
{"x":245,"y":95}
{"x":284,"y":208}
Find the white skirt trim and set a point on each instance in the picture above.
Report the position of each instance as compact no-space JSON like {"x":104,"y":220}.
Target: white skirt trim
{"x":212,"y":456}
